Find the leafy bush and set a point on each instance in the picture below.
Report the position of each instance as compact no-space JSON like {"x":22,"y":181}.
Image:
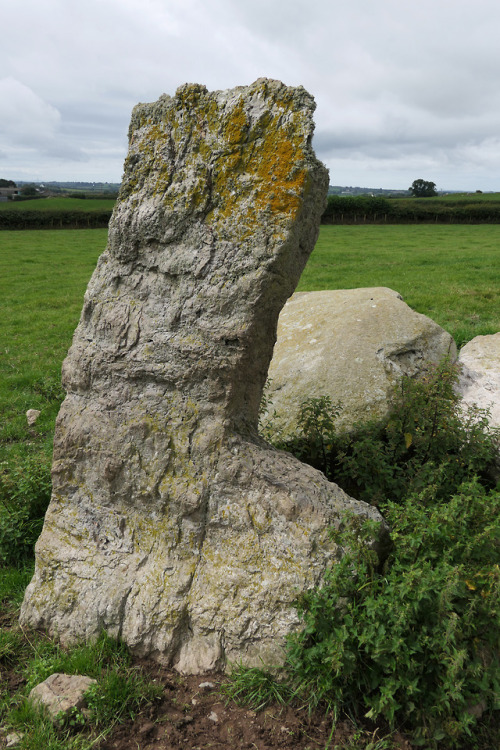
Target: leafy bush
{"x":428,"y":439}
{"x":415,"y":644}
{"x":25,"y":487}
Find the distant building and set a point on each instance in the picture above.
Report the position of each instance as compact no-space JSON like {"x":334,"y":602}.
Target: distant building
{"x":6,"y":193}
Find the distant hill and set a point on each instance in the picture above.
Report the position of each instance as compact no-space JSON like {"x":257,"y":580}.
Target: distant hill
{"x":343,"y":190}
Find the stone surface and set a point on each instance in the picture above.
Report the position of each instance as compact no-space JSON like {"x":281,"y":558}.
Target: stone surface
{"x":32,"y":415}
{"x":352,"y":345}
{"x":171,"y":524}
{"x":14,"y":739}
{"x":60,"y":693}
{"x":479,"y":382}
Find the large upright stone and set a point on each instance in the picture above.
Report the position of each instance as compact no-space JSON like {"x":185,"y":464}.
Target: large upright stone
{"x":171,"y":524}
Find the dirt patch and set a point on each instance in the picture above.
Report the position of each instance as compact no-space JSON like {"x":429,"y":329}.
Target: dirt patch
{"x":193,"y":714}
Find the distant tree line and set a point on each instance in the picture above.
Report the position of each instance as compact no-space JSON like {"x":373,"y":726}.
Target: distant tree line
{"x":377,"y":210}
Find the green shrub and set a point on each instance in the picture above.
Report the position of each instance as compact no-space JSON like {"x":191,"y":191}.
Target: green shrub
{"x":427,"y":439}
{"x":25,"y":487}
{"x":414,"y":643}
{"x":417,"y":643}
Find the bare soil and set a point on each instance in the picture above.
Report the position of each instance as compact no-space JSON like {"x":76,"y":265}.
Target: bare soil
{"x":193,"y":714}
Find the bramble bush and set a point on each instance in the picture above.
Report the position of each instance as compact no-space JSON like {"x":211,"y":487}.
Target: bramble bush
{"x":427,"y":439}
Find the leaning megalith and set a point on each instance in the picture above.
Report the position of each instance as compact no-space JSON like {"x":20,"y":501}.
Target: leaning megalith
{"x":171,"y":524}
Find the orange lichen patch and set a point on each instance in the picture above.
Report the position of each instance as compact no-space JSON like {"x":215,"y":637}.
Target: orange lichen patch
{"x":265,"y":161}
{"x":236,"y":127}
{"x":242,"y":170}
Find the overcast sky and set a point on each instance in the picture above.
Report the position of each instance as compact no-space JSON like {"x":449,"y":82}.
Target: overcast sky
{"x":405,"y":89}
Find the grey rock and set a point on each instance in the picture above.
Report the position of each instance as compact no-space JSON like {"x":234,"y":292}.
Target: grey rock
{"x":14,"y":739}
{"x":352,"y":345}
{"x":60,"y":693}
{"x":479,"y":382}
{"x":172,"y":525}
{"x":31,"y":416}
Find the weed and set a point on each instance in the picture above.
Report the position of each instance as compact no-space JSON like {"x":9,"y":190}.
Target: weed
{"x":414,"y":644}
{"x":256,"y":688}
{"x":25,"y":487}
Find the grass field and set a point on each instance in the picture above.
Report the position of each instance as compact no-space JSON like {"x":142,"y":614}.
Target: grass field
{"x":447,"y":272}
{"x":450,"y":273}
{"x":60,"y":204}
{"x":43,"y":277}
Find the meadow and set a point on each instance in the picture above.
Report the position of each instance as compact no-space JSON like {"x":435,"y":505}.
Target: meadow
{"x":449,"y":273}
{"x":59,"y":204}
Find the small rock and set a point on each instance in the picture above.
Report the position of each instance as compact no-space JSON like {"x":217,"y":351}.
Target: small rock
{"x":206,"y":685}
{"x":60,"y":693}
{"x":32,"y":415}
{"x":194,"y":701}
{"x":12,"y":740}
{"x":213,"y":717}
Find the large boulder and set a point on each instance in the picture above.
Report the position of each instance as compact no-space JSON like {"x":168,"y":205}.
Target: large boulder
{"x":352,"y":345}
{"x":479,"y":383}
{"x":171,"y":524}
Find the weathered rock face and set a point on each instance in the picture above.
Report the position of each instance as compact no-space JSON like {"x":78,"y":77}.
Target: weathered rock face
{"x":171,"y":524}
{"x":479,"y":382}
{"x":352,"y":345}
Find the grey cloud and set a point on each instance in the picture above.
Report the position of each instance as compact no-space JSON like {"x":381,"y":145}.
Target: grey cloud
{"x":397,"y":84}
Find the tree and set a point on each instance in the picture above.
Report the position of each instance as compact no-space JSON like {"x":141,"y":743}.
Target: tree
{"x":423,"y":189}
{"x":29,"y":191}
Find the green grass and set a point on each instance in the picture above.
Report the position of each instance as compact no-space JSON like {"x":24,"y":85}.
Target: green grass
{"x":449,"y":273}
{"x":60,"y":204}
{"x":43,"y":277}
{"x":121,"y":692}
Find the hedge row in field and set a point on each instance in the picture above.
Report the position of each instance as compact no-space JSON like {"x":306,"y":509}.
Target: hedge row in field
{"x":339,"y":210}
{"x":351,"y":210}
{"x":12,"y":219}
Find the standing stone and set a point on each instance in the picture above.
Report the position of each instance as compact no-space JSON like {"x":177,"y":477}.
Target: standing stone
{"x":171,"y":524}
